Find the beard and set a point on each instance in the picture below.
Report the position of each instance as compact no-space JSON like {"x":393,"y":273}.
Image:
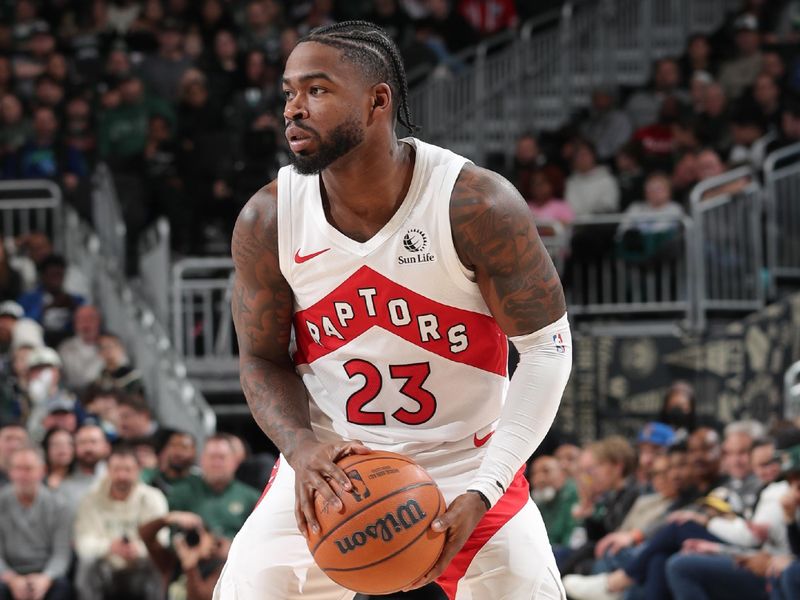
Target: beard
{"x":345,"y":136}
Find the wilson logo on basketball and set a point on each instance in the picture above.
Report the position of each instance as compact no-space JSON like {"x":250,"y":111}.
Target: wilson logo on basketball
{"x":402,"y":519}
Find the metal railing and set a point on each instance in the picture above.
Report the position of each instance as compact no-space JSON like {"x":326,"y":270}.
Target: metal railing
{"x":107,"y":217}
{"x":623,"y":265}
{"x":791,"y":392}
{"x":154,"y":266}
{"x":728,"y":244}
{"x":31,"y":205}
{"x":782,"y":206}
{"x":202,"y":327}
{"x":537,"y":80}
{"x":177,"y":402}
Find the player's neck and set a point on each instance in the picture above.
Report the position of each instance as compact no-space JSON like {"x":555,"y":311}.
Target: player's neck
{"x":372,"y":177}
{"x":370,"y":183}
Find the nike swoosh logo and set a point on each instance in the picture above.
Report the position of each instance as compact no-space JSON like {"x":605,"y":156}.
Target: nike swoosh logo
{"x":301,"y":259}
{"x":481,"y":441}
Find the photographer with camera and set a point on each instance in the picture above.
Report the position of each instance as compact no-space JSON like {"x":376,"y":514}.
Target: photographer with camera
{"x":191,"y":567}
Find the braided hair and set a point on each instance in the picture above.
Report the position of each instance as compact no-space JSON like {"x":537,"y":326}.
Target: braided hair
{"x":371,"y":49}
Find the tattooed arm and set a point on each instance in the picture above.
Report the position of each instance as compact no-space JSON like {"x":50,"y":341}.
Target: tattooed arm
{"x":495,"y":236}
{"x":262,"y":314}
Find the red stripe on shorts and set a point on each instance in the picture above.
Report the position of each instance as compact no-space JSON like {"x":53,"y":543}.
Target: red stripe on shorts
{"x":272,"y":476}
{"x":501,"y":513}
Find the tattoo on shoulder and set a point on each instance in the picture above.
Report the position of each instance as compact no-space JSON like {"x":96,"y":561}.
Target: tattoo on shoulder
{"x":494,"y":234}
{"x":262,"y":300}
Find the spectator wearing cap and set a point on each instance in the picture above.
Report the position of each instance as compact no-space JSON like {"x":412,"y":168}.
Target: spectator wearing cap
{"x":223,"y":502}
{"x":91,"y":451}
{"x":112,"y":559}
{"x":51,"y":405}
{"x":12,"y":437}
{"x":163,"y":71}
{"x":35,"y":551}
{"x":652,"y":441}
{"x":80,"y":354}
{"x":49,"y":304}
{"x":607,"y":127}
{"x":711,"y":571}
{"x":30,"y":59}
{"x":555,"y":494}
{"x":177,"y":457}
{"x":739,"y":73}
{"x":117,"y":370}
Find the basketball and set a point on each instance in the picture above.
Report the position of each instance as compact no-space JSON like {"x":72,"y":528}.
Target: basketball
{"x":381,"y":541}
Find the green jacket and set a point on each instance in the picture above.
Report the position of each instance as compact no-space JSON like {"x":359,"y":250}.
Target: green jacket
{"x":123,"y":129}
{"x":557,"y":514}
{"x":223,"y":512}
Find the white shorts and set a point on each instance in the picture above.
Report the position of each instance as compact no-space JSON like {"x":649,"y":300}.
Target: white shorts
{"x":508,"y":556}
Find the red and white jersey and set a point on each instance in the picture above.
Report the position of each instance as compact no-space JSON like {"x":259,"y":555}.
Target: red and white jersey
{"x":392,"y":337}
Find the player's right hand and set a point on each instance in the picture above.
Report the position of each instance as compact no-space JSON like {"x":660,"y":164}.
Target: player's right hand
{"x":316,"y":472}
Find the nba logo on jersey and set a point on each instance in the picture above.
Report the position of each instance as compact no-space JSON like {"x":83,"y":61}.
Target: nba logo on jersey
{"x":559,"y":343}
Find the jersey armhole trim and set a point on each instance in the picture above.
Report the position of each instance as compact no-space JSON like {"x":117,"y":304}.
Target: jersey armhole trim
{"x":463,"y":277}
{"x":284,"y":208}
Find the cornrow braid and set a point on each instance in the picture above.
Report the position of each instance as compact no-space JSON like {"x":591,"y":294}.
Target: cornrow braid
{"x":370,"y":47}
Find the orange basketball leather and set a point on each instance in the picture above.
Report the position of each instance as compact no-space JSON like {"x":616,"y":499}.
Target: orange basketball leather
{"x":382,"y":541}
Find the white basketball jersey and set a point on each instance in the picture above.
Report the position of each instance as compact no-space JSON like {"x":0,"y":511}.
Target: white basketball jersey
{"x":392,"y":337}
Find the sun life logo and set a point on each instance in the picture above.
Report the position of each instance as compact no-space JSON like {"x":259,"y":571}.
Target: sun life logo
{"x":415,"y":240}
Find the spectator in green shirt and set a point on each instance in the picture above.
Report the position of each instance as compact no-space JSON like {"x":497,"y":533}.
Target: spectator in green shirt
{"x":555,"y":495}
{"x":223,"y":503}
{"x":124,"y":128}
{"x":177,"y":454}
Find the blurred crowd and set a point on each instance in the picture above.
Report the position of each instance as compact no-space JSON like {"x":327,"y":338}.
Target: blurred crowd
{"x":729,"y":100}
{"x":692,"y":509}
{"x":96,"y":495}
{"x":183,"y":99}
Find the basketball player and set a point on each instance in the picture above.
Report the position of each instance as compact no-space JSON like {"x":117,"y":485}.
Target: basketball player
{"x":377,"y":281}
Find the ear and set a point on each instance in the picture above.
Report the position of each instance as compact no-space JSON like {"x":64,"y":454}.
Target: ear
{"x":381,"y":101}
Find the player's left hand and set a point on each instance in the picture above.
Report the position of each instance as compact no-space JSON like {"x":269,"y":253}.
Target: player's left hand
{"x":457,"y":523}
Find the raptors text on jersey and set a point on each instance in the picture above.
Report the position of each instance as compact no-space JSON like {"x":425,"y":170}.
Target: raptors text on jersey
{"x":392,"y":337}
